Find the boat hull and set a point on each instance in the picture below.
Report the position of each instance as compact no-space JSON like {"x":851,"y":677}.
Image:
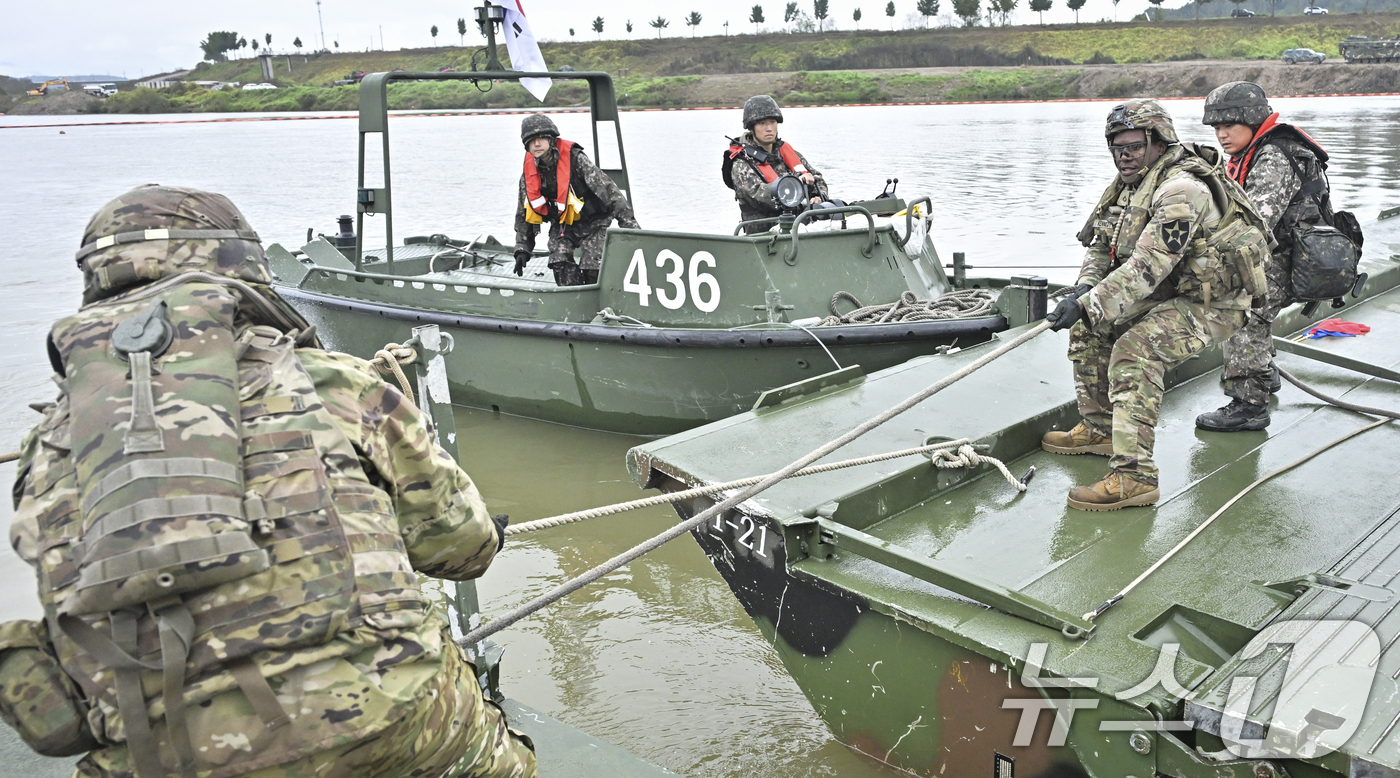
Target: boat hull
{"x":648,"y":381}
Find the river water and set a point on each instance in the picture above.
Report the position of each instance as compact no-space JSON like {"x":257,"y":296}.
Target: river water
{"x":658,"y":657}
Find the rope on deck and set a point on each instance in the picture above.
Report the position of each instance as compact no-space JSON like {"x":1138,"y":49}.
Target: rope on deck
{"x":1387,"y":417}
{"x":578,"y":582}
{"x":947,"y":454}
{"x":963,"y":304}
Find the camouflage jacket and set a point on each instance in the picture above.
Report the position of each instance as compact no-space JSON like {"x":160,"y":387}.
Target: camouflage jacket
{"x":751,"y":190}
{"x":1164,"y":260}
{"x":603,"y":201}
{"x":356,"y":642}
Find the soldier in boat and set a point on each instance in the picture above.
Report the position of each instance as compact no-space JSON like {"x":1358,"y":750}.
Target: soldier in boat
{"x":1283,"y":172}
{"x":1174,"y":263}
{"x":562,"y":186}
{"x":759,"y":157}
{"x":229,"y":524}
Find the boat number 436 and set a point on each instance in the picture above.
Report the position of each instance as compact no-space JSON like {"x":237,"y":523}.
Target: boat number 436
{"x":679,"y":276}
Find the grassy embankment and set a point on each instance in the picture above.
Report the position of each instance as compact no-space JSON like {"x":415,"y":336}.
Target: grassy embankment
{"x":668,"y":73}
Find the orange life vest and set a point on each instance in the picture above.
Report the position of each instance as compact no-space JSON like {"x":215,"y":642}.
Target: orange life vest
{"x":786,"y":151}
{"x":569,"y":206}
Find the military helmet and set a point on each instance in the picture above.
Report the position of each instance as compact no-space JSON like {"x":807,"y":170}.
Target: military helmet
{"x":154,"y":232}
{"x":760,"y":107}
{"x":1238,"y":102}
{"x":535,"y":125}
{"x":1141,"y":114}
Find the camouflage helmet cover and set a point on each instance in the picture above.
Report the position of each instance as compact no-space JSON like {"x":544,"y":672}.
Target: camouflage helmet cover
{"x":1238,"y":102}
{"x":760,"y":107}
{"x":120,"y":251}
{"x":1141,"y":114}
{"x":535,"y":125}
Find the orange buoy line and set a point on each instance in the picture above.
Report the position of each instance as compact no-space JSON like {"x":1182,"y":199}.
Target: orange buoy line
{"x":628,"y":110}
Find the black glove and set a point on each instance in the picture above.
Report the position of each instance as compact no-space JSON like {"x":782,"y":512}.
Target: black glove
{"x":501,"y":521}
{"x":522,"y":258}
{"x":1069,"y":310}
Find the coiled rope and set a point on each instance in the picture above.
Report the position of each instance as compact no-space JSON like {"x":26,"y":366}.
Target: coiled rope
{"x":946,"y":455}
{"x":391,"y":359}
{"x":578,"y":582}
{"x":963,"y":304}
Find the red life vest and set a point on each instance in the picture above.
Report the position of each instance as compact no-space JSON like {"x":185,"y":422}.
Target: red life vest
{"x":537,"y":201}
{"x":788,"y":154}
{"x":1238,"y":167}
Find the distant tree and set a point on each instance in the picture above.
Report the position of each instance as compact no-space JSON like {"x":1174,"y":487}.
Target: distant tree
{"x":571,"y":32}
{"x":268,"y":39}
{"x":598,"y":26}
{"x":693,"y":21}
{"x":1198,"y":4}
{"x":1115,"y":10}
{"x":968,"y":11}
{"x":216,"y":43}
{"x":927,"y":8}
{"x":790,"y":13}
{"x":1040,"y":7}
{"x":889,"y":11}
{"x":337,"y":44}
{"x":629,"y":28}
{"x":255,"y":45}
{"x":462,"y":31}
{"x":434,"y":31}
{"x":820,"y":9}
{"x":1238,"y":3}
{"x":1158,"y":5}
{"x":659,"y":24}
{"x":756,"y":17}
{"x":243,"y":43}
{"x":856,"y":16}
{"x":1075,"y":5}
{"x":1003,"y":9}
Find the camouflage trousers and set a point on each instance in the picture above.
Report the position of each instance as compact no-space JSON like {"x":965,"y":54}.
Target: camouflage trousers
{"x":586,"y":236}
{"x":451,"y":733}
{"x":1120,"y":371}
{"x":1249,"y":352}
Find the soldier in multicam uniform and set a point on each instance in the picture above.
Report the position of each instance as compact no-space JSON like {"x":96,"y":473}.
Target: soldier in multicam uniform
{"x":329,"y":662}
{"x":1283,"y":172}
{"x":562,"y":186}
{"x":760,"y":158}
{"x":1169,"y":246}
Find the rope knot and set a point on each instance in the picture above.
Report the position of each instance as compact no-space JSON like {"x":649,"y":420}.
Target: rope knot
{"x":967,"y":456}
{"x":391,"y":360}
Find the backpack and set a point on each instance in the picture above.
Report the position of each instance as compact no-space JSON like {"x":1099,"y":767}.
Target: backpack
{"x":1324,"y":256}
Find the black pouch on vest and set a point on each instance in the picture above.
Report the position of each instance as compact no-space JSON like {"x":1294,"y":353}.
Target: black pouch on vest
{"x":1324,"y":263}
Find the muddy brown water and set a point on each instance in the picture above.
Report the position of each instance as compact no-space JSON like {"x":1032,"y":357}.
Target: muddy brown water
{"x":657,"y":657}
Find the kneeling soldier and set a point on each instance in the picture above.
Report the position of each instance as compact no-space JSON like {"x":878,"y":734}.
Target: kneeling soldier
{"x":1175,"y":261}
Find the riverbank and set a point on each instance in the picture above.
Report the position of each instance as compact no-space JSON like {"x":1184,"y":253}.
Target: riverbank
{"x":883,"y":86}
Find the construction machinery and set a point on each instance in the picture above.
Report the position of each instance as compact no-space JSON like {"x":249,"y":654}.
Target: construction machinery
{"x":49,"y":86}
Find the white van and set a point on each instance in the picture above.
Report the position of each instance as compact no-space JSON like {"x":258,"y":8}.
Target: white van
{"x":101,"y":90}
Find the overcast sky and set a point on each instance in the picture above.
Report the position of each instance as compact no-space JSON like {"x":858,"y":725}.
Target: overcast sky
{"x":141,"y":37}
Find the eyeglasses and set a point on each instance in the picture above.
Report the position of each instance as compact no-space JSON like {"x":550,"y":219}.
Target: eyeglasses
{"x":1127,"y":150}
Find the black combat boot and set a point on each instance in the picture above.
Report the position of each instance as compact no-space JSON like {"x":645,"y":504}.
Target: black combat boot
{"x":590,"y":276}
{"x":1238,"y":416}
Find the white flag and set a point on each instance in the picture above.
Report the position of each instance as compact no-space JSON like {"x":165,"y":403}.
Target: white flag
{"x":525,"y":53}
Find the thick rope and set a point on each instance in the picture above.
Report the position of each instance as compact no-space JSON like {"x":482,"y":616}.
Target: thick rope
{"x":964,"y":304}
{"x":578,"y":582}
{"x":10,"y":457}
{"x":391,"y":359}
{"x":1388,"y":417}
{"x":967,"y":456}
{"x":703,"y":491}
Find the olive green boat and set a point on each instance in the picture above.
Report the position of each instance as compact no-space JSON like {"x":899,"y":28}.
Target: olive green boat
{"x":681,"y":328}
{"x":944,"y":623}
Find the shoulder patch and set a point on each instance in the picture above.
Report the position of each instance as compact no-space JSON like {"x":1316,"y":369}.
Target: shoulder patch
{"x":1175,"y":234}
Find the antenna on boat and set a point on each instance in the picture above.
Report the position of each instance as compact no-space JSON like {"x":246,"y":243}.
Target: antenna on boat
{"x":487,"y":17}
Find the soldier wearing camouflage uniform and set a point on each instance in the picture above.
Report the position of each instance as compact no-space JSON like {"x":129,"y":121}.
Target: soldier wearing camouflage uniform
{"x":750,"y":179}
{"x":1283,"y":172}
{"x":329,"y":661}
{"x":602,"y":202}
{"x":1152,"y":292}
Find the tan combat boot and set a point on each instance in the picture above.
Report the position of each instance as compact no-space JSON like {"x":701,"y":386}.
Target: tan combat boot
{"x":1080,"y":440}
{"x":1116,"y":490}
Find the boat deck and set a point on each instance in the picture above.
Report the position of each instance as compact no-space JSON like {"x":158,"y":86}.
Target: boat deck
{"x":1297,"y":524}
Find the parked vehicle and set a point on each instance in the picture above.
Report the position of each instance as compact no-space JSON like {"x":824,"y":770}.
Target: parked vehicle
{"x":254,"y":87}
{"x":1313,"y":10}
{"x":1241,"y":13}
{"x":1358,"y":48}
{"x":48,"y":87}
{"x":1294,"y":56}
{"x":101,"y":90}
